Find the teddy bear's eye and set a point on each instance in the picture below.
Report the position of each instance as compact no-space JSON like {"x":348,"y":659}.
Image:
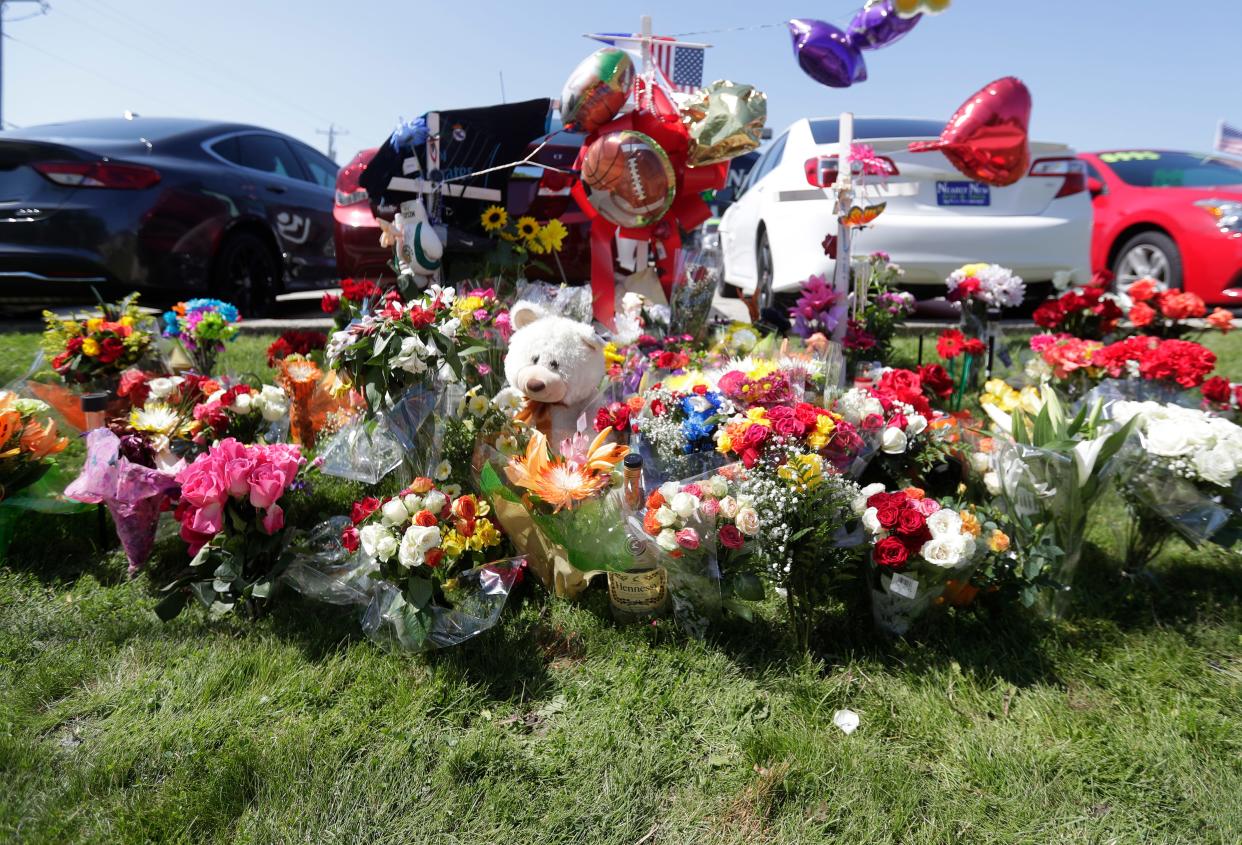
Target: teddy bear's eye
{"x":534,"y":359}
{"x":554,"y":366}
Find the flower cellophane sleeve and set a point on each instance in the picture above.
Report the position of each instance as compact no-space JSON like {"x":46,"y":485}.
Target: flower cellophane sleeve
{"x":469,"y":604}
{"x":133,"y":494}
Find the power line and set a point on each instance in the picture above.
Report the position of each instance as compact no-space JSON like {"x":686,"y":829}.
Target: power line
{"x":3,"y":3}
{"x":84,"y":69}
{"x":116,"y":16}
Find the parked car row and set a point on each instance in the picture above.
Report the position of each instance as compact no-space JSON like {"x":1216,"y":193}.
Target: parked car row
{"x":178,"y":207}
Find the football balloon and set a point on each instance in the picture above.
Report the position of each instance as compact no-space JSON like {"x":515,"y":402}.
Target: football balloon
{"x":596,"y":90}
{"x":629,"y":178}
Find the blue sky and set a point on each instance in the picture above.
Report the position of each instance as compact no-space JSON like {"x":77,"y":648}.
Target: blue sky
{"x":1103,"y":73}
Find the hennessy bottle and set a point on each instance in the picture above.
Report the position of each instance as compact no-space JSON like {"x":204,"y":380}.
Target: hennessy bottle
{"x":640,"y":592}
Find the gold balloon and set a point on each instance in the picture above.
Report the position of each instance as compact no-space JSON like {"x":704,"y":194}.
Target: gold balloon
{"x":914,"y":8}
{"x":725,"y":120}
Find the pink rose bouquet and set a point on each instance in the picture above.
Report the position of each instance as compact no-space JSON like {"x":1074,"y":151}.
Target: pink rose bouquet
{"x":232,"y":521}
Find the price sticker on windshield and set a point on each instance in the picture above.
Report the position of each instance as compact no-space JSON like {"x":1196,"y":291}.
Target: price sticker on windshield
{"x":1130,"y":155}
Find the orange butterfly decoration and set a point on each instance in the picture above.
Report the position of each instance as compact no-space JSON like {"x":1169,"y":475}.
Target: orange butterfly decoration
{"x":858,"y":216}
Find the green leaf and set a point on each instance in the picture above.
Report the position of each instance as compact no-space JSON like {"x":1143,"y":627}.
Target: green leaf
{"x":262,"y":590}
{"x":171,"y":605}
{"x":204,"y":592}
{"x":747,"y":586}
{"x":418,"y":591}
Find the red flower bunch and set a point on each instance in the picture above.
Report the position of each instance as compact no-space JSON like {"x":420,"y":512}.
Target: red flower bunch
{"x":1220,"y":394}
{"x":857,"y":338}
{"x":953,"y":343}
{"x":1182,"y":362}
{"x":356,"y":290}
{"x":903,"y":516}
{"x":295,"y":342}
{"x":614,"y":415}
{"x":764,"y":392}
{"x":1085,"y":313}
{"x":907,"y":387}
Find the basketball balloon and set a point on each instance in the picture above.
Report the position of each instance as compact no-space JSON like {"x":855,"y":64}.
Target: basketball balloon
{"x":629,"y":178}
{"x":596,"y":90}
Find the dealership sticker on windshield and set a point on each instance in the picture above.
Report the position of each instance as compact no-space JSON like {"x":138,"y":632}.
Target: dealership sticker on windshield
{"x":963,"y":193}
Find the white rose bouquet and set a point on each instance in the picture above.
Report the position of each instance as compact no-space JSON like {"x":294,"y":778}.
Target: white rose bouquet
{"x":1183,"y":475}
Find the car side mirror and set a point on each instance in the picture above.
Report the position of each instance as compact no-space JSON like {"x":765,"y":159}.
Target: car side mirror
{"x":1095,"y":186}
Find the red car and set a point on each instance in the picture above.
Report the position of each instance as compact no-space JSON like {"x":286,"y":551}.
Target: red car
{"x":1175,"y":217}
{"x":358,"y":251}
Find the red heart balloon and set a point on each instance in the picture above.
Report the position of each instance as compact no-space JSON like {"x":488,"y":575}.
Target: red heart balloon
{"x":988,"y":138}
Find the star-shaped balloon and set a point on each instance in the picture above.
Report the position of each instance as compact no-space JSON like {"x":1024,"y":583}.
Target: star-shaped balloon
{"x":914,"y":8}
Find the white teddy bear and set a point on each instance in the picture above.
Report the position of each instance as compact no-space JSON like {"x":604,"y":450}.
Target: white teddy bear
{"x":558,"y":365}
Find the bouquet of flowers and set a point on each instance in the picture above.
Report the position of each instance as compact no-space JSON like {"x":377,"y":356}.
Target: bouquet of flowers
{"x":481,"y":422}
{"x":765,"y":432}
{"x":567,"y":497}
{"x":1069,"y":360}
{"x":1170,"y":364}
{"x":357,"y":297}
{"x":295,"y":342}
{"x":1088,"y":313}
{"x":202,"y":327}
{"x":965,"y":357}
{"x":917,"y":547}
{"x":794,"y":508}
{"x":1049,"y":470}
{"x":232,"y":521}
{"x":520,"y":242}
{"x":819,"y":309}
{"x":27,"y":440}
{"x":678,"y":429}
{"x":1185,"y":474}
{"x":1156,"y":310}
{"x":989,"y":285}
{"x":1222,"y":396}
{"x":903,"y":441}
{"x":121,"y":474}
{"x":243,"y":412}
{"x":694,"y":288}
{"x":401,"y":347}
{"x":879,"y":310}
{"x":98,"y":348}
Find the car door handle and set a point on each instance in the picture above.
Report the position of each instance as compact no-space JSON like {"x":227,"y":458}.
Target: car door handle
{"x":277,"y":189}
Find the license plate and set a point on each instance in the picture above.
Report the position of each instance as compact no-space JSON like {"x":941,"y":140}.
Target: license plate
{"x":963,"y":193}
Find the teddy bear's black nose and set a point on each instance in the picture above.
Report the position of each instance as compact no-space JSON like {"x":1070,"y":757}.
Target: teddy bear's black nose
{"x":535,"y":385}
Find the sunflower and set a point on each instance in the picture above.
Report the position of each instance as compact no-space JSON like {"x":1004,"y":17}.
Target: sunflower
{"x":527,"y":228}
{"x":552,"y":236}
{"x":495,"y":219}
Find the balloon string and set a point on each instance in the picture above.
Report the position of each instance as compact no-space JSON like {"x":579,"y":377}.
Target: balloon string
{"x":543,"y":143}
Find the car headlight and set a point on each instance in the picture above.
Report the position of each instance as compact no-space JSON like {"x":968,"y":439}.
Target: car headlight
{"x":1227,"y":213}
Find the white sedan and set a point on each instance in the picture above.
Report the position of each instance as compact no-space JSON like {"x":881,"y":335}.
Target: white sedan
{"x":936,"y":219}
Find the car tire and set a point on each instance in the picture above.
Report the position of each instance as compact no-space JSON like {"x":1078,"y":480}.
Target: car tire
{"x":247,"y":273}
{"x":764,"y":272}
{"x":1151,"y":255}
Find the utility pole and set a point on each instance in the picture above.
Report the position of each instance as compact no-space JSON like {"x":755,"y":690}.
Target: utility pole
{"x":331,"y":132}
{"x":3,"y":4}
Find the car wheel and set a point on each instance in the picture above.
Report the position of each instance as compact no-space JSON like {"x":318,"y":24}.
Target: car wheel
{"x":1148,"y":255}
{"x":764,"y":273}
{"x":246,"y":273}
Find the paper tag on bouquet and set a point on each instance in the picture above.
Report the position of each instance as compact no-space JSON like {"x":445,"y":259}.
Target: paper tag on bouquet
{"x":904,"y":586}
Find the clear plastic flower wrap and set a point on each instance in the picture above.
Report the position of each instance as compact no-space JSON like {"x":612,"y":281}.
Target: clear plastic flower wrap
{"x":464,"y":607}
{"x":411,"y":423}
{"x":361,"y":451}
{"x":660,"y":466}
{"x":561,"y":300}
{"x":694,"y":287}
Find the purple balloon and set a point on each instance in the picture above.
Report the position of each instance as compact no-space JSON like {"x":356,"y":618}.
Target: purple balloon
{"x":826,"y":55}
{"x":877,"y":25}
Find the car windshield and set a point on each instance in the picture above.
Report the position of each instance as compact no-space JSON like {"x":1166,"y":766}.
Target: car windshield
{"x":1152,"y":169}
{"x":826,"y":130}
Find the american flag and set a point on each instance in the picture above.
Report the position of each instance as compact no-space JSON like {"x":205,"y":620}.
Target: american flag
{"x":1229,"y":139}
{"x":681,"y":64}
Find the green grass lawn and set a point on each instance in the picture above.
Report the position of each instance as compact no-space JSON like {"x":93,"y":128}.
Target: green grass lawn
{"x":1123,"y":724}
